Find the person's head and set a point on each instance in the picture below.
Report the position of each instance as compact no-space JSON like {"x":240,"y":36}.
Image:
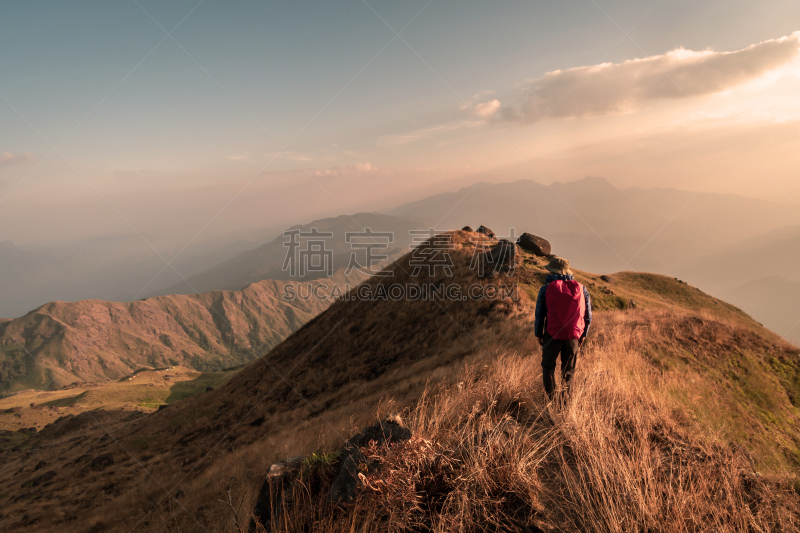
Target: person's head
{"x":558,"y":265}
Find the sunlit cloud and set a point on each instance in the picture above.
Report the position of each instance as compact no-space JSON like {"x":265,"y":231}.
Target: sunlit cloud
{"x":627,"y":87}
{"x":358,"y":168}
{"x":8,"y":158}
{"x":487,"y":110}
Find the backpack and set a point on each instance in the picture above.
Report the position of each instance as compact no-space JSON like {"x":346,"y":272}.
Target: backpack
{"x":565,"y":309}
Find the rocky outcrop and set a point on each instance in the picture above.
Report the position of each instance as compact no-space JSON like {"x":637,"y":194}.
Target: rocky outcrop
{"x":534,"y":244}
{"x":274,"y":491}
{"x":277,"y":489}
{"x":486,"y":231}
{"x":466,"y":228}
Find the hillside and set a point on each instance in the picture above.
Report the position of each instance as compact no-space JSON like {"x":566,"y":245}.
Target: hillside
{"x":706,"y":376}
{"x":94,"y":340}
{"x":266,"y":262}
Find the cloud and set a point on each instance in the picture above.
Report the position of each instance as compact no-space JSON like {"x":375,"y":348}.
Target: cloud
{"x":487,"y":109}
{"x":7,"y":158}
{"x":615,"y":88}
{"x":358,"y":168}
{"x":424,"y":133}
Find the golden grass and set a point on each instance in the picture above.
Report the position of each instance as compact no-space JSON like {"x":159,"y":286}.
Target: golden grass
{"x":489,"y":454}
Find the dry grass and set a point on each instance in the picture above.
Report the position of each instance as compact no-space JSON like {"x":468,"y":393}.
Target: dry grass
{"x":489,"y":455}
{"x":501,"y":474}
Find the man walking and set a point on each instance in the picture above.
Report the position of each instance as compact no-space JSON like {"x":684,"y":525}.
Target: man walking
{"x":563,"y":316}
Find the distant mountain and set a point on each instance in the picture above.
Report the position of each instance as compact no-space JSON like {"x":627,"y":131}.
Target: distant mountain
{"x":95,"y":340}
{"x":110,"y":268}
{"x":773,"y":301}
{"x":770,"y":254}
{"x":604,"y":228}
{"x":267,"y":261}
{"x":759,"y":274}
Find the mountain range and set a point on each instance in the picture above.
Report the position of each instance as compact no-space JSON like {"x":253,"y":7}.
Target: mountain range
{"x":702,"y":238}
{"x":110,"y":268}
{"x":759,"y":274}
{"x":95,"y":340}
{"x":679,"y":396}
{"x":267,"y":261}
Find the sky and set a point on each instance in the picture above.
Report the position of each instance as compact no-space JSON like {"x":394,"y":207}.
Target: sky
{"x":189,"y":119}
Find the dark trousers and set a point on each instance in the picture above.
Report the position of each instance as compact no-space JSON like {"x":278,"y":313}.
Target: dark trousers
{"x":568,"y":349}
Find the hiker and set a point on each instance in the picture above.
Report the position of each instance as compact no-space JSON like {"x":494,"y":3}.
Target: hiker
{"x":563,"y":315}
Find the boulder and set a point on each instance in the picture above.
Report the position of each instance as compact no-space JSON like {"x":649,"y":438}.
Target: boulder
{"x":486,"y":231}
{"x":271,"y":495}
{"x":536,"y":245}
{"x":466,"y":228}
{"x":352,"y":461}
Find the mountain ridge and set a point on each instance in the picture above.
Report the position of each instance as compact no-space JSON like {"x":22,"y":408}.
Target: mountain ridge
{"x":366,"y":356}
{"x":93,"y":340}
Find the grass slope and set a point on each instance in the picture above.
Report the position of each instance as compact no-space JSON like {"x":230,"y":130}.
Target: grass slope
{"x":360,"y":358}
